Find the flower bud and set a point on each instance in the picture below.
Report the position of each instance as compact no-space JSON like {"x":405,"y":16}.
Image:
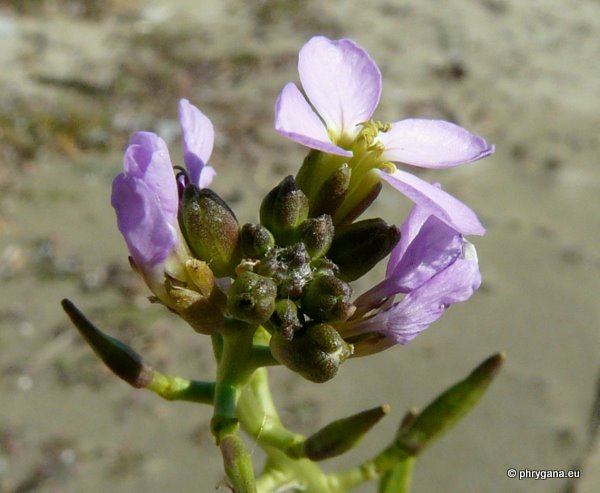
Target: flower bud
{"x":286,"y":318}
{"x":251,"y":298}
{"x":316,"y":353}
{"x":211,"y":229}
{"x":283,"y":210}
{"x":327,"y":298}
{"x":343,"y":434}
{"x":332,"y":192}
{"x":317,"y":235}
{"x":357,"y":247}
{"x":256,"y":240}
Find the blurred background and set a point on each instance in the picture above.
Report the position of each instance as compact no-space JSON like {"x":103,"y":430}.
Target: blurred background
{"x":78,"y":77}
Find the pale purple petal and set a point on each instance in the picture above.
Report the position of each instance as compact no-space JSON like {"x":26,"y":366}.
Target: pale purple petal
{"x":432,"y":144}
{"x":198,"y":136}
{"x":147,"y":158}
{"x":403,"y":321}
{"x":207,"y":174}
{"x":433,"y":249}
{"x":437,"y":202}
{"x":142,"y":222}
{"x":296,"y":120}
{"x":408,"y":232}
{"x":341,"y":81}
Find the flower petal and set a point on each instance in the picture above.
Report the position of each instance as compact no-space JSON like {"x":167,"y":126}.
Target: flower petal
{"x":435,"y":247}
{"x":296,"y":120}
{"x":437,"y":202}
{"x":341,"y":81}
{"x":432,"y":144}
{"x":147,"y":158}
{"x":198,"y":137}
{"x":142,"y":222}
{"x":403,"y":321}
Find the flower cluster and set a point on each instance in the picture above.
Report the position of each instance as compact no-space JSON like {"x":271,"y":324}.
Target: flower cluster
{"x":291,"y":271}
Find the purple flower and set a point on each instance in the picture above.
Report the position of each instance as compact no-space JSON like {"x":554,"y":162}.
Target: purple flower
{"x":343,"y":86}
{"x":145,"y":196}
{"x":434,"y":266}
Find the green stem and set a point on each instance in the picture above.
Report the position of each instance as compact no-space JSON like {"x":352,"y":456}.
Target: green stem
{"x":175,"y":388}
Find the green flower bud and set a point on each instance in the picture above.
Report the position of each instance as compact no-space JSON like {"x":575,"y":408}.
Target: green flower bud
{"x":357,"y":247}
{"x":343,"y":434}
{"x":327,"y":298}
{"x":211,"y":229}
{"x":283,"y":210}
{"x":317,"y":235}
{"x":251,"y":298}
{"x":256,"y":240}
{"x":316,"y":353}
{"x":286,"y":318}
{"x":332,"y":192}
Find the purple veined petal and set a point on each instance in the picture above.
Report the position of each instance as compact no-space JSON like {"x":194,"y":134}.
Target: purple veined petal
{"x":198,"y":137}
{"x":403,"y":321}
{"x":341,"y":81}
{"x":296,"y":120}
{"x":439,"y":203}
{"x":147,"y":158}
{"x":149,"y":236}
{"x":432,"y":144}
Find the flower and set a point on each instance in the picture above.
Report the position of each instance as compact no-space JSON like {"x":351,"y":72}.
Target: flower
{"x":146,"y":199}
{"x":434,"y":266}
{"x":343,"y":86}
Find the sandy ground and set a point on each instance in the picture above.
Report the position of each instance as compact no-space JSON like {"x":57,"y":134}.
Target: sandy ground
{"x":78,"y":77}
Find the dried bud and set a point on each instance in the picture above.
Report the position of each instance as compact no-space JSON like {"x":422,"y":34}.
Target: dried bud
{"x":317,"y":235}
{"x":283,"y":210}
{"x":251,"y":298}
{"x":211,"y":229}
{"x":316,"y":353}
{"x":256,"y":240}
{"x":202,"y":307}
{"x":357,"y":247}
{"x":327,"y":298}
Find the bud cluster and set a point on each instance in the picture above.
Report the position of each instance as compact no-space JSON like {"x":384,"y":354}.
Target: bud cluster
{"x":290,"y":272}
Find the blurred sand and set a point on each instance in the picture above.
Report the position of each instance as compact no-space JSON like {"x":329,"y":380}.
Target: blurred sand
{"x":78,"y":77}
